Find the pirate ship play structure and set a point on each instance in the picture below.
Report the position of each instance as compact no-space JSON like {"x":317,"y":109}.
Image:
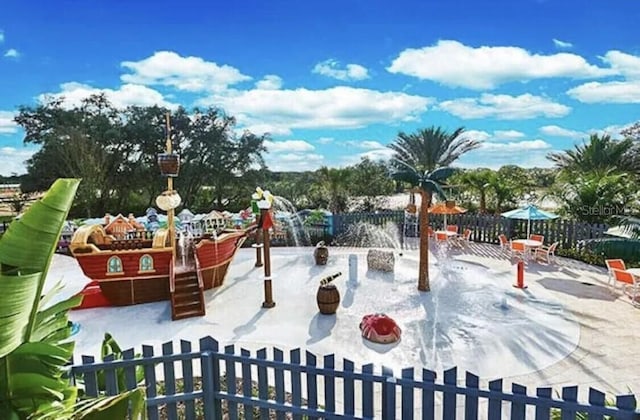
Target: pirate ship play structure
{"x":132,"y":267}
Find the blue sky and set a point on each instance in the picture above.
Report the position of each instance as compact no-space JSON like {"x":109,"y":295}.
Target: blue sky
{"x":336,"y":80}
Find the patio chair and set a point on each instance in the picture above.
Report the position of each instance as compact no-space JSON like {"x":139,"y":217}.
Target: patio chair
{"x":442,"y":238}
{"x":452,"y":228}
{"x":546,"y":252}
{"x":430,"y":232}
{"x":517,"y":248}
{"x":625,"y":279}
{"x":463,"y":239}
{"x":536,"y":237}
{"x":504,"y":242}
{"x":613,"y":264}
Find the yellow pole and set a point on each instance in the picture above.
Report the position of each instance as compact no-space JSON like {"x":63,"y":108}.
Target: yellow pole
{"x":172,"y":231}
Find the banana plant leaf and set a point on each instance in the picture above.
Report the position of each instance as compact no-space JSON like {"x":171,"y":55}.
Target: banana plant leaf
{"x":27,"y":247}
{"x":34,"y":338}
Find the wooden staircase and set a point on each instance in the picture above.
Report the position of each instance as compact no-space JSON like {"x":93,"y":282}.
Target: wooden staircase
{"x":187,"y":296}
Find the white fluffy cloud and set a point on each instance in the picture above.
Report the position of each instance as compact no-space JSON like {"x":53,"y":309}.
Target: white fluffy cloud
{"x":331,"y":68}
{"x":129,"y":94}
{"x":325,"y":140}
{"x":288,"y":146}
{"x":615,"y":91}
{"x":505,"y":107}
{"x":338,"y":107}
{"x":292,"y":155}
{"x":294,"y":161}
{"x":561,"y":44}
{"x":481,"y":135}
{"x":269,"y":82}
{"x":7,"y":125}
{"x":455,"y":64}
{"x":12,"y":53}
{"x":508,"y":134}
{"x":620,"y":92}
{"x":527,"y":153}
{"x":1,"y":36}
{"x":557,"y":131}
{"x":478,"y":135}
{"x":625,"y":64}
{"x":12,"y":160}
{"x":193,"y":74}
{"x":371,"y":144}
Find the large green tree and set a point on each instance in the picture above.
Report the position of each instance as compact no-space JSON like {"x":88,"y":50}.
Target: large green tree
{"x":115,"y":152}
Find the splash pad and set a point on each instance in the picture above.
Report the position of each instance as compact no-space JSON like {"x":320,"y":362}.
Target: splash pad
{"x":473,"y":318}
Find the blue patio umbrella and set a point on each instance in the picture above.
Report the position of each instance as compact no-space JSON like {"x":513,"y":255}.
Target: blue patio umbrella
{"x":529,"y":213}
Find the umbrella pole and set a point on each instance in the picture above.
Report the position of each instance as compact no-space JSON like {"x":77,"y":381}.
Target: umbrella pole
{"x":445,"y":221}
{"x":528,"y":227}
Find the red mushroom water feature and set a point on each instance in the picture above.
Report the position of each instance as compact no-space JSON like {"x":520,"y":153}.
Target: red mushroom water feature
{"x":379,"y":328}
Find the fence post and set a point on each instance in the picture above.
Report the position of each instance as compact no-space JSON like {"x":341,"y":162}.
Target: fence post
{"x":388,"y":394}
{"x":210,"y":378}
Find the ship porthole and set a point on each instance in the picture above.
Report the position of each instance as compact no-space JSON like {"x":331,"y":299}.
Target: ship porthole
{"x":114,"y":265}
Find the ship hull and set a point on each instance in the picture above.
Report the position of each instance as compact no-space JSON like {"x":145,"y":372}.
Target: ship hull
{"x":133,"y":285}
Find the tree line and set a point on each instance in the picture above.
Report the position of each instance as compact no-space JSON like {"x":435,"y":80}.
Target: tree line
{"x":114,"y":151}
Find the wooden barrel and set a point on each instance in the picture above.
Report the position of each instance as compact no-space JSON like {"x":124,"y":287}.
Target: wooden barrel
{"x":321,"y":255}
{"x":328,"y":298}
{"x":169,"y":164}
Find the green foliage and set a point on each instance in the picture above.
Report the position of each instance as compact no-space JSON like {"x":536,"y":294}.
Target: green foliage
{"x":114,"y":151}
{"x":600,"y":155}
{"x":583,"y":255}
{"x":625,"y":249}
{"x":110,"y":347}
{"x":596,"y":198}
{"x":316,"y":217}
{"x":430,"y":148}
{"x":34,"y":339}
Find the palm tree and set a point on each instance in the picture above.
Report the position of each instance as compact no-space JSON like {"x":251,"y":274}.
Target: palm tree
{"x":479,"y":181}
{"x":427,"y":183}
{"x":422,"y":160}
{"x":332,"y":183}
{"x":599,"y":156}
{"x":431,"y":148}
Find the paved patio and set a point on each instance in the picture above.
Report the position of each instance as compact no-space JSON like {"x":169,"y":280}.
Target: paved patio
{"x":603,"y":353}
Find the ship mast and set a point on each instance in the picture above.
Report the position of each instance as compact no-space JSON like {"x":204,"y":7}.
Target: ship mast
{"x":171,"y":211}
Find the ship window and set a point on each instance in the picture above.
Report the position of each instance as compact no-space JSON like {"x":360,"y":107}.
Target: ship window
{"x":114,"y":265}
{"x":146,"y":263}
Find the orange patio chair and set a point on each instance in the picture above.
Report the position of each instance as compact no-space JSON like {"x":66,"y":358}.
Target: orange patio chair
{"x":613,"y":264}
{"x":504,"y":242}
{"x":625,"y":279}
{"x":430,"y":231}
{"x":536,"y":237}
{"x":452,"y":228}
{"x":517,"y":248}
{"x":442,"y":238}
{"x":546,"y":252}
{"x":465,"y":238}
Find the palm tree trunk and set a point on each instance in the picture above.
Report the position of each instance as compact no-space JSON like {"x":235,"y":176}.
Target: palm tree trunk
{"x":483,"y":202}
{"x":423,"y":275}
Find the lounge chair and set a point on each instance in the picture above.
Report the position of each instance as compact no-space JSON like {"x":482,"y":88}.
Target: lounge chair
{"x":613,"y":264}
{"x":625,"y":279}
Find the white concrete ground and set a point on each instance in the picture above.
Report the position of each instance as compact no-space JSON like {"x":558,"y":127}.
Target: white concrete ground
{"x":566,"y":328}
